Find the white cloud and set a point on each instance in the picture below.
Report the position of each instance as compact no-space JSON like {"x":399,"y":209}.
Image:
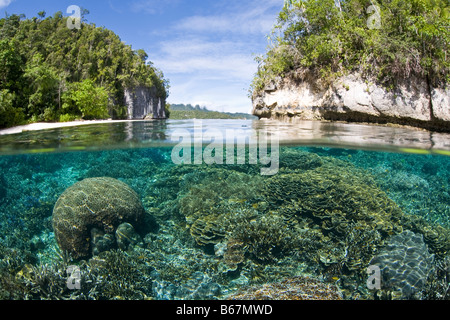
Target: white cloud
{"x":4,"y":3}
{"x":247,"y":18}
{"x":224,"y":59}
{"x":151,"y":6}
{"x":218,"y":95}
{"x":209,"y":58}
{"x":213,"y":74}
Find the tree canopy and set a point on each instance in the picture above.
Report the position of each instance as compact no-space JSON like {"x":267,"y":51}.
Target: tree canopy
{"x":383,"y":40}
{"x":51,"y":73}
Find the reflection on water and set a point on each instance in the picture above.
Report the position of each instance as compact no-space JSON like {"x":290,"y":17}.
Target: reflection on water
{"x":355,"y":135}
{"x":137,"y":134}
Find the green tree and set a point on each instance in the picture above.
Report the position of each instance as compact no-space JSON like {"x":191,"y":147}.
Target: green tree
{"x":44,"y":84}
{"x":9,"y":115}
{"x":44,"y":62}
{"x":87,"y":99}
{"x":167,"y":110}
{"x":10,"y":66}
{"x":330,"y":38}
{"x":142,"y":55}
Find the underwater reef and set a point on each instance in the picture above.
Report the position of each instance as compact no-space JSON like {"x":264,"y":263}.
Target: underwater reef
{"x":224,"y":232}
{"x":405,"y":263}
{"x":95,"y":206}
{"x":297,"y":288}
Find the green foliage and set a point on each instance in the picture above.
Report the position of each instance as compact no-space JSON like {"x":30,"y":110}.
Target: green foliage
{"x":196,"y":114}
{"x":86,"y":99}
{"x":10,"y":76}
{"x":43,"y":89}
{"x":167,"y":110}
{"x":67,"y":117}
{"x":385,"y":40}
{"x":9,"y":115}
{"x":10,"y":68}
{"x":181,"y":112}
{"x":44,"y":64}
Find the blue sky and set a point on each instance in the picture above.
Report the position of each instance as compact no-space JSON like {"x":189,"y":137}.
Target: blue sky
{"x":206,"y":48}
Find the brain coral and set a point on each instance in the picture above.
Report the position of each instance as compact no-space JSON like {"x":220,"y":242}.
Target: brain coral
{"x":405,"y":264}
{"x":101,"y":203}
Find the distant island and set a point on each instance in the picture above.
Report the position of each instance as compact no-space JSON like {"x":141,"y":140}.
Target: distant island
{"x":52,"y":73}
{"x":182,"y":111}
{"x":358,"y":60}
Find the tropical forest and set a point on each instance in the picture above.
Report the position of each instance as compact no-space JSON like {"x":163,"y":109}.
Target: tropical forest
{"x":382,"y":40}
{"x":50,"y":72}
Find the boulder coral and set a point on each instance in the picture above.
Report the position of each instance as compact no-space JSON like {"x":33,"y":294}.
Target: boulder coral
{"x":100,"y":203}
{"x":405,"y":264}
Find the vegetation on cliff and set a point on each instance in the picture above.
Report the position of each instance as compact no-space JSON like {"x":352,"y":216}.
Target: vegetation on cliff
{"x":385,"y":40}
{"x":183,"y":112}
{"x":50,"y":72}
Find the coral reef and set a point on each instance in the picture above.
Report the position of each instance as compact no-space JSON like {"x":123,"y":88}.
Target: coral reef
{"x":218,"y":232}
{"x":102,"y":203}
{"x":344,"y":207}
{"x":113,"y":275}
{"x":199,"y":286}
{"x":438,"y":284}
{"x":210,"y":197}
{"x":127,"y":236}
{"x":322,"y":211}
{"x":118,"y":275}
{"x":234,"y":253}
{"x":263,"y":238}
{"x":405,"y":264}
{"x":100,"y":241}
{"x":294,"y":159}
{"x":297,"y":288}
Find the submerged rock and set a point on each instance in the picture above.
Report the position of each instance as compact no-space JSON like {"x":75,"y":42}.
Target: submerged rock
{"x":127,"y":236}
{"x":100,"y":241}
{"x":405,"y":264}
{"x":101,"y":203}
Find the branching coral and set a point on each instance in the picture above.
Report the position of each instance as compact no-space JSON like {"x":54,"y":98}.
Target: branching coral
{"x":265,"y":238}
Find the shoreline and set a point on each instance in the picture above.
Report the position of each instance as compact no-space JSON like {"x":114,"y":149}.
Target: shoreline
{"x":52,"y":125}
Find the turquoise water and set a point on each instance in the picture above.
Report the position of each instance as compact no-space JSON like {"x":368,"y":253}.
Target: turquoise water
{"x":343,"y":198}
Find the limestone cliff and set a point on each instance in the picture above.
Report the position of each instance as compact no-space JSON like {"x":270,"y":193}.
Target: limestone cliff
{"x":350,"y":98}
{"x":144,"y":103}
